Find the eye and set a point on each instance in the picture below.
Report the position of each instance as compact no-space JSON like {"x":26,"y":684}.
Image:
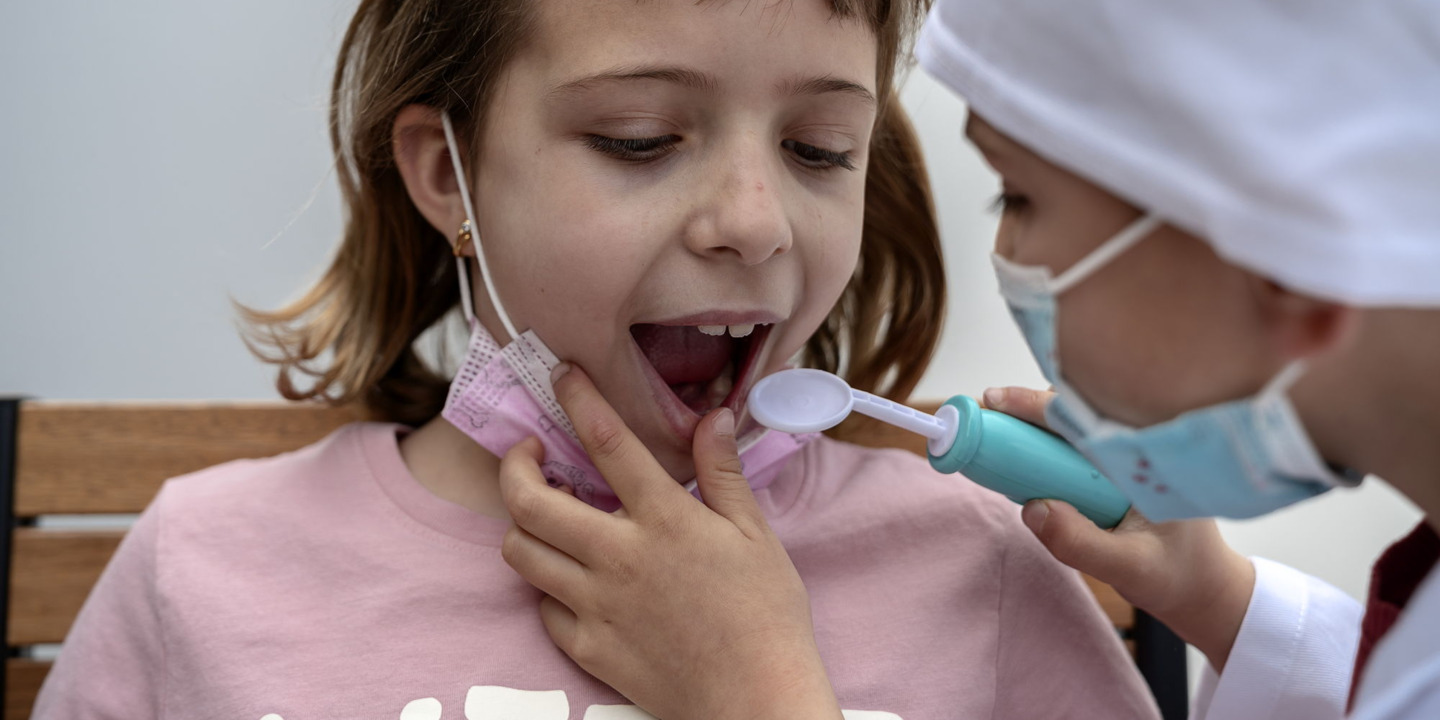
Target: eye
{"x":637,"y":150}
{"x":818,"y":158}
{"x":1008,"y":202}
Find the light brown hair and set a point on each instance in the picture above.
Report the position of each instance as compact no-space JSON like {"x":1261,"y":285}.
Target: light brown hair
{"x":352,"y":336}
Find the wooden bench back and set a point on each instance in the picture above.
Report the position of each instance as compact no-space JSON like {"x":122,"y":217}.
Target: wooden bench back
{"x":83,"y":458}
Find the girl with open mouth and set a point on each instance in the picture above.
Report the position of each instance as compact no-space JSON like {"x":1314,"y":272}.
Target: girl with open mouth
{"x":674,"y":199}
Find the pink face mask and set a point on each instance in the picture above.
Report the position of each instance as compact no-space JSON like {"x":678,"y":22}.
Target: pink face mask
{"x":502,"y":395}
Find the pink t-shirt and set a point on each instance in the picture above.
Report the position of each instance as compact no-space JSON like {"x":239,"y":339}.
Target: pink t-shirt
{"x":328,"y":583}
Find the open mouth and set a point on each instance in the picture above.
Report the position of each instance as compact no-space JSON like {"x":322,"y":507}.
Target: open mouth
{"x":704,"y":366}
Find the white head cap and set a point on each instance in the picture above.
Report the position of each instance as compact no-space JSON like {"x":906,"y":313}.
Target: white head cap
{"x":1301,"y":138}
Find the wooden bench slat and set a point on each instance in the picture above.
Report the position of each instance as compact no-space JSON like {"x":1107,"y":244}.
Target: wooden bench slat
{"x":22,"y":683}
{"x":113,"y":457}
{"x":1120,"y":612}
{"x":52,"y":572}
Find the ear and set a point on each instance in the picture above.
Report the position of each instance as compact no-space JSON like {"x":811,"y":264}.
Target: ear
{"x":1302,"y":326}
{"x":424,"y":162}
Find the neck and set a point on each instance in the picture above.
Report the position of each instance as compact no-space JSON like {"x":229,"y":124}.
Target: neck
{"x":1375,"y":406}
{"x":452,"y":467}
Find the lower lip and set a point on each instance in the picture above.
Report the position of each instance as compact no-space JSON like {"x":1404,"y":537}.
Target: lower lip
{"x":678,"y":415}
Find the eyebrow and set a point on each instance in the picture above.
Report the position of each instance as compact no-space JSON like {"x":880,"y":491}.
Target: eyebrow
{"x":697,"y":80}
{"x":680,"y":76}
{"x":828,"y":84}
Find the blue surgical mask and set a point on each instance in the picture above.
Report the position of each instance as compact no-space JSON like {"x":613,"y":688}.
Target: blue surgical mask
{"x":1238,"y":459}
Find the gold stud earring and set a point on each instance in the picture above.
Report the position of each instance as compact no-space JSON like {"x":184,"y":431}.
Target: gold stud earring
{"x":463,"y":238}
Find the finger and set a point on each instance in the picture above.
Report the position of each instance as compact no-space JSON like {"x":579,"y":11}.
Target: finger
{"x":1024,"y":403}
{"x":629,"y":468}
{"x":551,"y":571}
{"x":560,"y":622}
{"x":556,"y":518}
{"x":719,"y":473}
{"x":1078,"y":542}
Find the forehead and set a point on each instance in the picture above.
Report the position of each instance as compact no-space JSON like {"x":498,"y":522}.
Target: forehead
{"x":990,"y":140}
{"x":1014,"y":160}
{"x":735,"y":41}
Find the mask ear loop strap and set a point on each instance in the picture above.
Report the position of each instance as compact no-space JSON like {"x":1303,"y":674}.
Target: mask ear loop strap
{"x":464,"y":184}
{"x":1286,"y":378}
{"x":1133,"y":233}
{"x":1299,"y":456}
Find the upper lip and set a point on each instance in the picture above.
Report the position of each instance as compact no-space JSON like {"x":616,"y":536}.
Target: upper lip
{"x":722,"y":317}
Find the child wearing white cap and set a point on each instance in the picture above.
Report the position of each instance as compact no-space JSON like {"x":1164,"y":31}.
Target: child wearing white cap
{"x":1221,"y":239}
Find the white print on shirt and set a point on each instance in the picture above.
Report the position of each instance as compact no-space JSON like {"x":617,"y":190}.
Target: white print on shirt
{"x":492,"y":702}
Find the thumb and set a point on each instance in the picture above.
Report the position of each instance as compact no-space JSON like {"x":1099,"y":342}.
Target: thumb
{"x":1078,"y":542}
{"x":718,"y":472}
{"x":1023,"y":403}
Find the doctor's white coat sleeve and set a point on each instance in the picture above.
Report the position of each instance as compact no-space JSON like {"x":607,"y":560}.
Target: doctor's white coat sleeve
{"x":1293,"y":657}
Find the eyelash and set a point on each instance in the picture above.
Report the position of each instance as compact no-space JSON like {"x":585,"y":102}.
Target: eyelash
{"x":1008,"y":203}
{"x":634,"y":149}
{"x":818,"y":158}
{"x":640,"y":150}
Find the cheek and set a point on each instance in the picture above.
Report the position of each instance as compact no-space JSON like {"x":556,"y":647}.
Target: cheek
{"x":1160,"y":333}
{"x":829,"y":248}
{"x":1114,"y":345}
{"x":566,"y":256}
{"x":833,"y":269}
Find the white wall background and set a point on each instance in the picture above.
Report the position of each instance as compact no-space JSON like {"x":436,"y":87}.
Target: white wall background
{"x":160,"y":157}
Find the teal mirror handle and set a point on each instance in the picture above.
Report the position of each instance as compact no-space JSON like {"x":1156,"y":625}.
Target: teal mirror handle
{"x":1023,"y":462}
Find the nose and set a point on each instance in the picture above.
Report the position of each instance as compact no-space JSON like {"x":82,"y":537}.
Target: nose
{"x":742,"y":214}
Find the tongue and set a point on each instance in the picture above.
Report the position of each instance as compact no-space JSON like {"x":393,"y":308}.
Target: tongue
{"x":683,"y":354}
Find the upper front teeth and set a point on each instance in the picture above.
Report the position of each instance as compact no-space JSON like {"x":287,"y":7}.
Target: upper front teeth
{"x":736,"y":331}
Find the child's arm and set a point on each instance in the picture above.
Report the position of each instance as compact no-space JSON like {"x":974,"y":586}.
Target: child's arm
{"x":1183,"y":573}
{"x":113,"y":659}
{"x":1265,"y":624}
{"x":632,"y":596}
